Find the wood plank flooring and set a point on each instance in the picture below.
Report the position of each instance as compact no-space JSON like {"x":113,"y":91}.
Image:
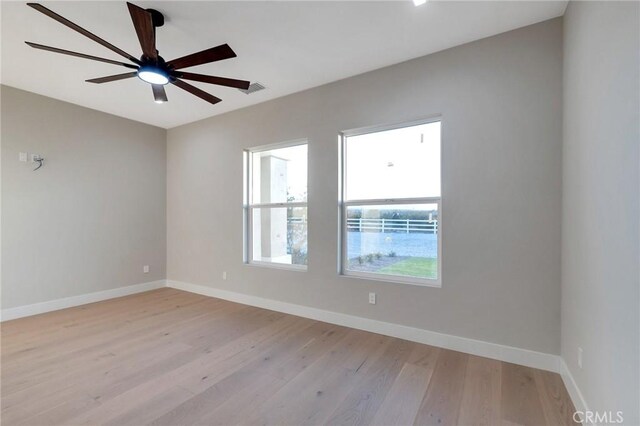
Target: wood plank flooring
{"x":168,"y":357}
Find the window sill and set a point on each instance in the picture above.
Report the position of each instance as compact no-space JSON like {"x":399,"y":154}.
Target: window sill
{"x":393,"y":279}
{"x":281,"y":266}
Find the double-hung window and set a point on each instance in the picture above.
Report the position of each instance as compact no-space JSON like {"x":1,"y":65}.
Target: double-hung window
{"x":391,"y":203}
{"x":276,"y":205}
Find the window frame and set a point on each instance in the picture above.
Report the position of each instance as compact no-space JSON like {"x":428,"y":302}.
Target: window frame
{"x":344,"y":204}
{"x":248,"y":207}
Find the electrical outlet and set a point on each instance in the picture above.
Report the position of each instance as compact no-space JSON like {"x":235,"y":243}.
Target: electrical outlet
{"x":23,"y":157}
{"x":580,"y":358}
{"x":145,"y":269}
{"x":224,"y":275}
{"x":372,"y":298}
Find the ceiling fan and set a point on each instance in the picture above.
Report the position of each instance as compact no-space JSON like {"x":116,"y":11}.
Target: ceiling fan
{"x":151,"y":67}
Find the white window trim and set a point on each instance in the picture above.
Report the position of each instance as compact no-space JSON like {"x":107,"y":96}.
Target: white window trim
{"x":248,"y":207}
{"x":344,"y":205}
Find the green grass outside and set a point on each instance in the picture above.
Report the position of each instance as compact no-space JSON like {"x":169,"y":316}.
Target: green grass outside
{"x":420,"y":267}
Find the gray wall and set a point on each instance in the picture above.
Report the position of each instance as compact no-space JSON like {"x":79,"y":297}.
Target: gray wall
{"x":600,"y":233}
{"x":500,"y":99}
{"x":93,"y":215}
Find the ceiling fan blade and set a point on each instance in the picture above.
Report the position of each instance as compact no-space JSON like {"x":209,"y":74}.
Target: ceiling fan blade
{"x":143,"y":23}
{"x":217,"y":53}
{"x":40,"y":8}
{"x":195,"y":91}
{"x":112,"y":78}
{"x":221,"y":81}
{"x":159,"y":94}
{"x":79,"y":55}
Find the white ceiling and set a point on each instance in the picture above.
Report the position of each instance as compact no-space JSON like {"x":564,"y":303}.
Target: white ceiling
{"x":287,"y":46}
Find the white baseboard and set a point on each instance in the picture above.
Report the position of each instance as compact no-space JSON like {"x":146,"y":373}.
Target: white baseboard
{"x":579,"y":402}
{"x":511,"y":354}
{"x":83,"y":299}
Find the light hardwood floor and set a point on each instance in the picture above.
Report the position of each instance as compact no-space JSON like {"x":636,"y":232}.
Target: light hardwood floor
{"x":168,"y":357}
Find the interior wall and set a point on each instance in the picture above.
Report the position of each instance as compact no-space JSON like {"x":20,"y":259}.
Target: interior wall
{"x":93,"y":215}
{"x":600,"y":229}
{"x":500,"y":101}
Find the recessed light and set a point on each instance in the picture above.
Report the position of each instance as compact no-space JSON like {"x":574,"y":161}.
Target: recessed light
{"x":419,"y":2}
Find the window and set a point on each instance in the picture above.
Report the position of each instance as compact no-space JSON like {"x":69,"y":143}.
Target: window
{"x":391,"y":203}
{"x":276,"y":205}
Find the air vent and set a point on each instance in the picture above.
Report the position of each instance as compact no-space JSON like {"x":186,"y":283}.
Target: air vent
{"x":254,"y":87}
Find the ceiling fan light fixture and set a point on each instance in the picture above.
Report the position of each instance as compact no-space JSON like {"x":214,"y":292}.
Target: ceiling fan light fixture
{"x":153,"y":75}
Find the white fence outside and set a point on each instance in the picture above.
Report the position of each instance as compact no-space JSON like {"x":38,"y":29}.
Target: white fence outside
{"x":384,"y":225}
{"x":392,"y":225}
